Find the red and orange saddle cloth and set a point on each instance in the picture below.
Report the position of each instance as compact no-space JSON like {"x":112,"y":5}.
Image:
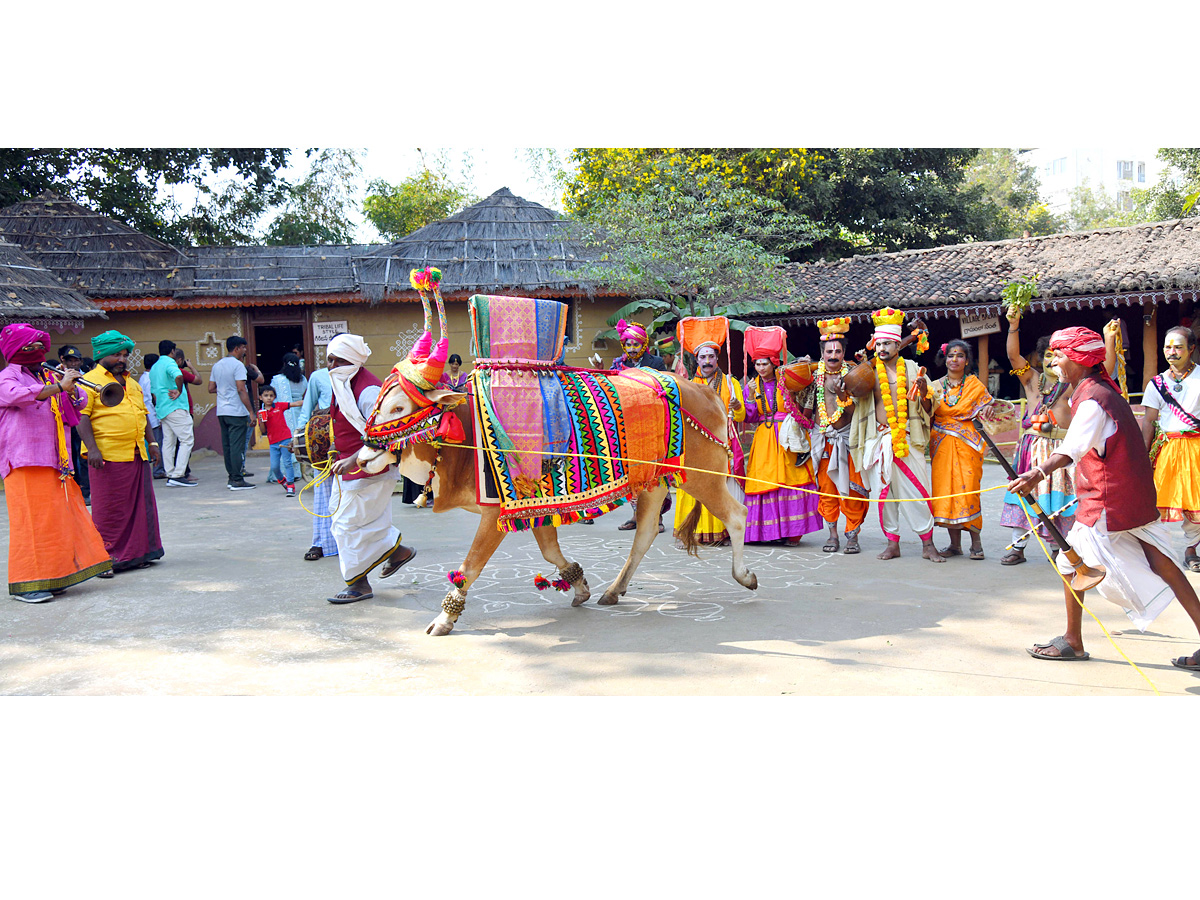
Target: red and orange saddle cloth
{"x":558,"y":443}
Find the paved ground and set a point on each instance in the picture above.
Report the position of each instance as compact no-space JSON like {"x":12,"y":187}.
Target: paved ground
{"x":233,"y":610}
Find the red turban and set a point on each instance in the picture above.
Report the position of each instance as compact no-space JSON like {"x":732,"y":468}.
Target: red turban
{"x":769,"y":342}
{"x":1081,"y":345}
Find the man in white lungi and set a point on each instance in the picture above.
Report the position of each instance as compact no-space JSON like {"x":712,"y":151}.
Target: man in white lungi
{"x":362,"y":523}
{"x":1117,"y":523}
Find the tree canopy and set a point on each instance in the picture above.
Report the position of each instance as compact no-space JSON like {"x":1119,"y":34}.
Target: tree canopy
{"x":124,"y":183}
{"x":861,"y":200}
{"x":317,"y":210}
{"x":429,"y":195}
{"x":691,"y":244}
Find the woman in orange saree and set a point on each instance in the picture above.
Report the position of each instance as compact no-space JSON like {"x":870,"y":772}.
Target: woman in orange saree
{"x":956,"y":448}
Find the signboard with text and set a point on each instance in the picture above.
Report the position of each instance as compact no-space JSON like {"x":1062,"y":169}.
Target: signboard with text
{"x":976,"y":326}
{"x":324,"y":332}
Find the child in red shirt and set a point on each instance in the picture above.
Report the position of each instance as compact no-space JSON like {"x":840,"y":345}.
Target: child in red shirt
{"x":274,"y":426}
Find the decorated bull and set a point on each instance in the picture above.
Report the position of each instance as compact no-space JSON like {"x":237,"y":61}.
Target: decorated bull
{"x":535,"y":444}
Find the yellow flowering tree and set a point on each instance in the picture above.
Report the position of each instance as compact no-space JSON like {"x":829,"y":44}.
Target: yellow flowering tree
{"x":863,"y":200}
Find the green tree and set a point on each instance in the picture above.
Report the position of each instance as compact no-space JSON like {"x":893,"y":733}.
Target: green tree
{"x":1011,"y":186}
{"x":1177,"y":185}
{"x":862,"y":200}
{"x":690,"y":244}
{"x":1092,"y":209}
{"x":127,"y":184}
{"x":317,"y":210}
{"x":429,"y":195}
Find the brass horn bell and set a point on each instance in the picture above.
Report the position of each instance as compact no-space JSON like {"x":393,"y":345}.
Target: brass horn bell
{"x":110,"y":394}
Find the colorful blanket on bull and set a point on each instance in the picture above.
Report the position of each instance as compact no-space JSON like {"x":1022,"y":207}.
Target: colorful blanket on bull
{"x":558,"y":444}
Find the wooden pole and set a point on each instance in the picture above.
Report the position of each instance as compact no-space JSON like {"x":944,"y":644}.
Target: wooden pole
{"x":981,"y":356}
{"x":1149,"y":343}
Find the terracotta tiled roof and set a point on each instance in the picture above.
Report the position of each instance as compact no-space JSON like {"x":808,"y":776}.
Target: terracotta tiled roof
{"x":1111,"y":264}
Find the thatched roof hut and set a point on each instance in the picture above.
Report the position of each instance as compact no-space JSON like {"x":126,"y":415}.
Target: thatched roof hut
{"x":28,"y":292}
{"x":504,"y":244}
{"x":91,"y":253}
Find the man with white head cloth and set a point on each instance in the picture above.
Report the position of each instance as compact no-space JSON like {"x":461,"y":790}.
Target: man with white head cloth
{"x":362,"y":523}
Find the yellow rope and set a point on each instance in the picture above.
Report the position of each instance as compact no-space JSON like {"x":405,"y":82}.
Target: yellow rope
{"x":1079,"y":600}
{"x":326,"y":470}
{"x":790,"y":487}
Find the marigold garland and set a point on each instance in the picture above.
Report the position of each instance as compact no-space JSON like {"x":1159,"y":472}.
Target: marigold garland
{"x":897,"y":418}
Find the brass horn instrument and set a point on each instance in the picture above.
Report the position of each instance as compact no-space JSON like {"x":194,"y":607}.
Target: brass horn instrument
{"x":110,"y":394}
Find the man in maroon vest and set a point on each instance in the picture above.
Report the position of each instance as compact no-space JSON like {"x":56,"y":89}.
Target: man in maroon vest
{"x":362,"y":524}
{"x":1117,"y":523}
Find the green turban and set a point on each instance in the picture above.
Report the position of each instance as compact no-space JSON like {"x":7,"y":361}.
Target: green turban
{"x":110,"y":342}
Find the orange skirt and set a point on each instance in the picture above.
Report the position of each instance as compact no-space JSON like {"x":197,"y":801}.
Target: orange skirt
{"x":52,"y":543}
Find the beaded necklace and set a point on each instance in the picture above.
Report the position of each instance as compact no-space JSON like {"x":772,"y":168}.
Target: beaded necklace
{"x":953,"y":393}
{"x":822,"y":413}
{"x":897,"y":415}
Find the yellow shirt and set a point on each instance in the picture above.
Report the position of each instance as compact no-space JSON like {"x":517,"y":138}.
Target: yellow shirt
{"x":120,"y":430}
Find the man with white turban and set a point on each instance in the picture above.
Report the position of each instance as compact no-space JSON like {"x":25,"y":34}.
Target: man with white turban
{"x":362,"y":523}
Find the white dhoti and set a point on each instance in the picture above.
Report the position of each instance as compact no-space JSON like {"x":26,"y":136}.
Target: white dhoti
{"x":362,"y":524}
{"x":904,"y":479}
{"x":1130,"y":582}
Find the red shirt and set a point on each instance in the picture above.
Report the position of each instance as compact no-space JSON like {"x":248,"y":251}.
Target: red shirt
{"x":277,"y":426}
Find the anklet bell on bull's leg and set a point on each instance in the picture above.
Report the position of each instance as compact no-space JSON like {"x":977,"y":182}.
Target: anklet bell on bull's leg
{"x":453,"y":605}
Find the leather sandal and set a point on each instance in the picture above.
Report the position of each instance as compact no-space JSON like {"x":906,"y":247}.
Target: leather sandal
{"x":313,"y":553}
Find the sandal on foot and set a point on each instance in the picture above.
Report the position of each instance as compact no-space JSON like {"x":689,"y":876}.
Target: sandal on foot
{"x":977,"y":554}
{"x":351,"y":596}
{"x":1191,"y":663}
{"x":831,"y":546}
{"x":627,"y":526}
{"x":951,"y":551}
{"x":1191,"y":560}
{"x":1066,"y":652}
{"x":313,"y":553}
{"x":393,"y":562}
{"x":1013,"y":558}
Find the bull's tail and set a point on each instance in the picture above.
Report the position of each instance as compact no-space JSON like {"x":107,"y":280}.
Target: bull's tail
{"x":686,"y":532}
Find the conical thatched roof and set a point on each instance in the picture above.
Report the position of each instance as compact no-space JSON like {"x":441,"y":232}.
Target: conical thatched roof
{"x":27,"y":291}
{"x":91,"y":253}
{"x":504,"y":244}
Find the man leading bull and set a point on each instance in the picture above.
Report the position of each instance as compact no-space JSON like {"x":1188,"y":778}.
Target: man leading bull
{"x":362,"y":523}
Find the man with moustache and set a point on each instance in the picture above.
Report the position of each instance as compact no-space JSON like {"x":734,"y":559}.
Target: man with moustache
{"x":116,"y":437}
{"x":1172,"y":402}
{"x":710,"y":529}
{"x":837,"y":478}
{"x":1117,"y":523}
{"x":888,"y":436}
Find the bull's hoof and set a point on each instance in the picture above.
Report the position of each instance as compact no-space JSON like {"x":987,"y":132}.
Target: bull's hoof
{"x":608,"y":599}
{"x":582,"y":593}
{"x":748,"y":580}
{"x":440,"y":626}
